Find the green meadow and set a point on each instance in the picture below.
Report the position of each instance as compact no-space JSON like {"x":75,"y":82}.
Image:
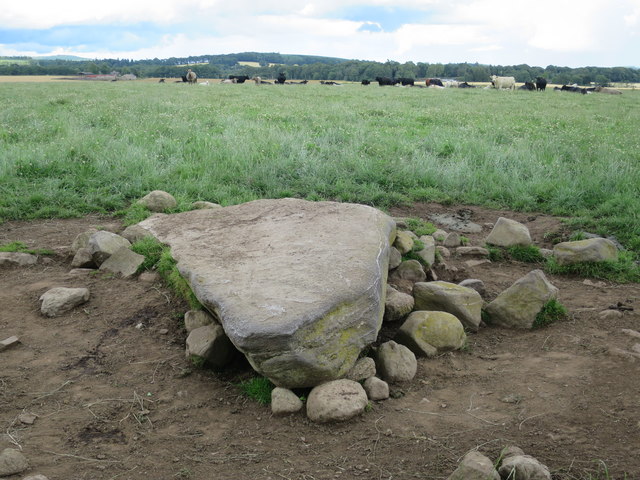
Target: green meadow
{"x":70,"y":148}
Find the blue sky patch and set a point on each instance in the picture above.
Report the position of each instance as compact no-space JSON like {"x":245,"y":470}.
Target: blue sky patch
{"x":89,"y":37}
{"x":388,"y":18}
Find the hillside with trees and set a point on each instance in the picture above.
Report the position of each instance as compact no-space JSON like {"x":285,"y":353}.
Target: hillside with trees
{"x":309,"y":67}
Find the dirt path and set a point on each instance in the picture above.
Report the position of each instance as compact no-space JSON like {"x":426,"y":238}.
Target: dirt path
{"x":115,"y":397}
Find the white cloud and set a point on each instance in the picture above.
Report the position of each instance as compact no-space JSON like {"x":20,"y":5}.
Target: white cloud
{"x":543,"y":32}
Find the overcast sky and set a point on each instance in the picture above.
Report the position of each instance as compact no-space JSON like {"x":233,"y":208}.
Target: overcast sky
{"x":499,"y":32}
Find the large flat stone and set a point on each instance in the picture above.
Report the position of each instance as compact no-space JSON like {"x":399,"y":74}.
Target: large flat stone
{"x":298,"y":286}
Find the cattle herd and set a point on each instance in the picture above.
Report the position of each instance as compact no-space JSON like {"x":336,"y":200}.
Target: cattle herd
{"x":497,"y":82}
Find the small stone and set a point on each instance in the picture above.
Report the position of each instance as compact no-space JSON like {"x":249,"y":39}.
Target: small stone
{"x":590,"y":250}
{"x":35,"y":477}
{"x":135,"y":233}
{"x":158,"y":201}
{"x":59,"y":300}
{"x":439,"y":236}
{"x":512,"y":398}
{"x":475,"y":466}
{"x":376,"y":389}
{"x":507,"y":233}
{"x":474,"y":283}
{"x":523,"y":467}
{"x":452,"y":240}
{"x":395,"y":362}
{"x":610,"y":314}
{"x":82,"y":271}
{"x":397,"y":305}
{"x":403,"y":242}
{"x":284,"y":401}
{"x":82,"y":240}
{"x":470,"y":251}
{"x":82,"y":259}
{"x":200,"y":204}
{"x":197,"y":318}
{"x":212,"y":344}
{"x":395,"y":258}
{"x":364,"y":368}
{"x":27,"y":418}
{"x":163,"y":331}
{"x":9,"y":342}
{"x":476,"y":263}
{"x":428,"y":253}
{"x":103,"y":244}
{"x":427,"y":333}
{"x":17,"y":259}
{"x":148,"y":277}
{"x":443,"y":251}
{"x":123,"y":262}
{"x":12,"y":462}
{"x":336,"y":401}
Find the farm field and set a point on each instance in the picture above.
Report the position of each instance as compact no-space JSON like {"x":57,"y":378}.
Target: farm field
{"x":74,"y":148}
{"x":114,"y":396}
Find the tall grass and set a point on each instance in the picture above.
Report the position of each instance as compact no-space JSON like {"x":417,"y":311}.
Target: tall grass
{"x":72,"y":148}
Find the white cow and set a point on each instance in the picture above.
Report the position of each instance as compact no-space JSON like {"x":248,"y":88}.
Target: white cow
{"x":503,"y":82}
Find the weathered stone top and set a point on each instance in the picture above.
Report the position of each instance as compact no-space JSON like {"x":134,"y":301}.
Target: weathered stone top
{"x":272,"y":270}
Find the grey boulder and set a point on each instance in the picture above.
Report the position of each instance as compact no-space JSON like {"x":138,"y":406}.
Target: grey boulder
{"x":518,"y":305}
{"x":103,"y":244}
{"x":59,"y":300}
{"x":463,"y":302}
{"x":158,"y":201}
{"x":336,"y":401}
{"x":211,"y":344}
{"x":430,"y":333}
{"x":507,"y":233}
{"x":590,"y":250}
{"x":395,"y":362}
{"x":284,"y":401}
{"x":17,"y":259}
{"x":298,"y":286}
{"x":12,"y":461}
{"x":475,"y":466}
{"x":523,"y":467}
{"x":123,"y":262}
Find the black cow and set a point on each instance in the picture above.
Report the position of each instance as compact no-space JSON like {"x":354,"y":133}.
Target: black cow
{"x":239,"y":78}
{"x":382,"y":81}
{"x":527,"y":86}
{"x":329,"y":82}
{"x":281,"y":79}
{"x":574,"y":89}
{"x":434,"y":81}
{"x":466,"y":85}
{"x":365,"y":82}
{"x":404,"y":81}
{"x":184,"y":79}
{"x":541,"y":84}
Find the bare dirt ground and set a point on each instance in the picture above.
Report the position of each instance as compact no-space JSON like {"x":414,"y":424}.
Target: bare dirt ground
{"x":114,"y":397}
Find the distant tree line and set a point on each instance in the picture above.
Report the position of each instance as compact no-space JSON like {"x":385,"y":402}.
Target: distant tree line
{"x":308,"y":67}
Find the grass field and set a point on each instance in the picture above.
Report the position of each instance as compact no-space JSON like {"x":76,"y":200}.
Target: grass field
{"x":69,"y":148}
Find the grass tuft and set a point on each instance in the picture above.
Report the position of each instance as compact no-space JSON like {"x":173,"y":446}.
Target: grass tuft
{"x":420,"y":227}
{"x":526,"y":253}
{"x":551,"y":312}
{"x":19,"y":247}
{"x":158,"y":256}
{"x":495,"y":253}
{"x":258,"y":389}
